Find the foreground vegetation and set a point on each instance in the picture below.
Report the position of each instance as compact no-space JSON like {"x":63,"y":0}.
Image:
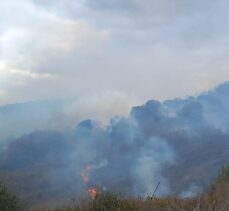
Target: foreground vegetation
{"x":8,"y":202}
{"x":217,"y":199}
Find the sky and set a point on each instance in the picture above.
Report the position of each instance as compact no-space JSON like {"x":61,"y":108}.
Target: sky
{"x":120,"y":52}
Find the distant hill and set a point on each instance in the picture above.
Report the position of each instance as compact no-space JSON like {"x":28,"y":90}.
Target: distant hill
{"x":23,"y":118}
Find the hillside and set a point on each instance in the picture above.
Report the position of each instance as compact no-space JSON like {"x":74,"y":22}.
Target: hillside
{"x":182,"y":143}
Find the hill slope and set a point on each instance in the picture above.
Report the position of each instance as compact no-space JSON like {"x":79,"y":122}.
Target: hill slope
{"x":182,"y":143}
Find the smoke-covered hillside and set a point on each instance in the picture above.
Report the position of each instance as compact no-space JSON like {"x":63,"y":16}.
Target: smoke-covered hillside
{"x":182,"y":143}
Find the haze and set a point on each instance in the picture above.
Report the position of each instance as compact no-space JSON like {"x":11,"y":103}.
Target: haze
{"x":121,"y":52}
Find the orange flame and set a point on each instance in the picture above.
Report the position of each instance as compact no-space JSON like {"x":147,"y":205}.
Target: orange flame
{"x":86,"y":173}
{"x":93,"y":193}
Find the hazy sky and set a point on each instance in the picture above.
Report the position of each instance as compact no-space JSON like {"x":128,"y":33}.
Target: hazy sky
{"x":129,"y":50}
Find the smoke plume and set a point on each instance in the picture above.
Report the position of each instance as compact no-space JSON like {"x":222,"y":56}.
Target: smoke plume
{"x":178,"y":143}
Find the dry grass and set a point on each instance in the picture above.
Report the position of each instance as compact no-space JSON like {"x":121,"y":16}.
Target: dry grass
{"x":217,"y":199}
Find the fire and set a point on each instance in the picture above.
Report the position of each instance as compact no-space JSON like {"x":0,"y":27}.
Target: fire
{"x":86,"y":173}
{"x":93,"y":193}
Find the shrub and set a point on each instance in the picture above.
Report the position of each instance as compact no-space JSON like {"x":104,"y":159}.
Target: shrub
{"x":106,"y":201}
{"x":224,"y":174}
{"x":8,"y":202}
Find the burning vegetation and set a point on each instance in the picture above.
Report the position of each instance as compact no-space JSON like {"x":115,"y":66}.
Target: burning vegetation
{"x":93,"y":192}
{"x":217,"y":199}
{"x":85,"y":174}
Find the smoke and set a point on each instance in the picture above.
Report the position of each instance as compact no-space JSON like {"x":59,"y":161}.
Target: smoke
{"x":152,"y":158}
{"x":100,"y":107}
{"x":178,"y":143}
{"x":24,"y":118}
{"x":192,"y":190}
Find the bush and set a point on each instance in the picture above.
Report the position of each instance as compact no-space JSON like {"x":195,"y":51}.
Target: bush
{"x":8,"y":202}
{"x":224,"y":174}
{"x":221,"y":180}
{"x":106,"y":201}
